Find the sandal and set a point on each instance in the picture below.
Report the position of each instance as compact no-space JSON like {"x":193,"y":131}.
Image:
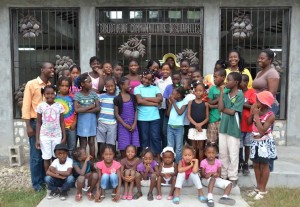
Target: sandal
{"x":137,"y":195}
{"x":253,"y":193}
{"x":260,"y":195}
{"x":176,"y":200}
{"x":78,"y":197}
{"x":202,"y":199}
{"x":170,"y":197}
{"x":158,"y":197}
{"x":129,"y":197}
{"x":98,"y":200}
{"x":150,"y":197}
{"x":90,"y":196}
{"x":124,"y":197}
{"x":210,"y":203}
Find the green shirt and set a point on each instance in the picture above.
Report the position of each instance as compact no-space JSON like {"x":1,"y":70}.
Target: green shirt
{"x":213,"y":94}
{"x":230,"y":124}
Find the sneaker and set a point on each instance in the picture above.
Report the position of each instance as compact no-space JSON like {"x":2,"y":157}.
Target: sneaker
{"x":246,"y":169}
{"x":227,"y":201}
{"x":53,"y":194}
{"x":63,"y":195}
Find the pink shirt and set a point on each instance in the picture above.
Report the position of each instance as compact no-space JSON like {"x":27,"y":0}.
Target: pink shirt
{"x":210,"y":168}
{"x":108,"y":170}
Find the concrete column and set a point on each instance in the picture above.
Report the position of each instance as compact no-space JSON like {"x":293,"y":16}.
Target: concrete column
{"x":6,"y":109}
{"x":293,"y":97}
{"x":211,"y":42}
{"x":87,"y":36}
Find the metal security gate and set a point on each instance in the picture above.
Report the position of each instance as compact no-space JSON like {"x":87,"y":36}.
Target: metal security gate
{"x":160,"y":31}
{"x":269,"y":28}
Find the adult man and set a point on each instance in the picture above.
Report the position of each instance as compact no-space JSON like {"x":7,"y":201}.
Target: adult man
{"x":32,"y":97}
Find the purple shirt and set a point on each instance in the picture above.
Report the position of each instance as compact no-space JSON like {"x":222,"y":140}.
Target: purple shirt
{"x":168,"y":91}
{"x":141,"y":167}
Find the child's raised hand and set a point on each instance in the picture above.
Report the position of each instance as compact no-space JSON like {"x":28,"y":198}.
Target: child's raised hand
{"x":222,"y":87}
{"x":88,"y":158}
{"x":99,"y":71}
{"x":256,"y":110}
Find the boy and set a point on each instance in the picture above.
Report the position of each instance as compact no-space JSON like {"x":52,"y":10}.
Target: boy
{"x":231,"y":106}
{"x":59,"y":174}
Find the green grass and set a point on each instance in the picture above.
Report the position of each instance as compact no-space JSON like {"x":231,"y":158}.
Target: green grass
{"x":277,"y":197}
{"x":22,"y":198}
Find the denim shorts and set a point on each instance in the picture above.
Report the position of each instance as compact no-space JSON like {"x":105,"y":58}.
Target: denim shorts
{"x":245,"y":139}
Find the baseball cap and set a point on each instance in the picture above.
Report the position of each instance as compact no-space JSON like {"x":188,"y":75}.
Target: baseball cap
{"x":61,"y":147}
{"x":168,"y":149}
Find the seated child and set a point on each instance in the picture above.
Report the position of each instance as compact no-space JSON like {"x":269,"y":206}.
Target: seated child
{"x":149,"y":171}
{"x":188,"y":174}
{"x":82,"y":171}
{"x":167,"y":172}
{"x":129,"y":174}
{"x":109,"y":175}
{"x":59,"y":174}
{"x":210,"y":173}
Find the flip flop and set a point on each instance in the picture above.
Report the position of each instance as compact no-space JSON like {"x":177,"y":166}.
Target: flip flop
{"x":78,"y":197}
{"x":176,"y":200}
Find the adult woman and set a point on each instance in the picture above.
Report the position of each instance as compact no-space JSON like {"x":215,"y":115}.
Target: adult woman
{"x":172,"y":60}
{"x":236,"y":64}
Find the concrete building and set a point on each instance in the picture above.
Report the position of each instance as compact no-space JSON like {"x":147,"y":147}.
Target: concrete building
{"x":81,"y":29}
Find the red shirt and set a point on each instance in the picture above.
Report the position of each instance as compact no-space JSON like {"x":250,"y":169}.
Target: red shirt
{"x":250,"y":96}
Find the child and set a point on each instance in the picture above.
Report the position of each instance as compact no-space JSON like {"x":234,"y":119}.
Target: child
{"x":50,"y":126}
{"x":70,"y":118}
{"x":65,"y":73}
{"x":149,"y":171}
{"x":167,"y":172}
{"x":213,"y":100}
{"x":82,"y":171}
{"x":197,"y":76}
{"x":246,"y":129}
{"x":154,"y":66}
{"x":184,"y":68}
{"x":129,"y":174}
{"x":148,"y":99}
{"x":231,"y":105}
{"x":176,"y":112}
{"x":59,"y":173}
{"x":175,"y":83}
{"x":262,"y":143}
{"x":220,"y":64}
{"x":162,"y":84}
{"x":109,"y":174}
{"x":192,"y":69}
{"x":96,"y":75}
{"x":107,"y":124}
{"x":210,"y":173}
{"x":125,"y":108}
{"x":198,"y":115}
{"x":133,"y":76}
{"x":188,"y":174}
{"x":75,"y":71}
{"x":118,"y":70}
{"x":86,"y":106}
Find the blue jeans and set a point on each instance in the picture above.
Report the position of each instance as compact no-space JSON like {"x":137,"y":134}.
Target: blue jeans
{"x":54,"y":183}
{"x":71,"y":139}
{"x":175,"y":140}
{"x":36,"y":161}
{"x":163,"y":127}
{"x":109,"y":181}
{"x":149,"y":135}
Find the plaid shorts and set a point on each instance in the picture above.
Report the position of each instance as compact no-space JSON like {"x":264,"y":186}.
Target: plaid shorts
{"x":212,"y":132}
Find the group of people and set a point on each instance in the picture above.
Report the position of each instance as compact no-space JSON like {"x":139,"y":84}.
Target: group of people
{"x":168,"y":125}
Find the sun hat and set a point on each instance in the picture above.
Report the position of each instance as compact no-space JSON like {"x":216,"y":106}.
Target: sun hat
{"x":171,"y":55}
{"x":266,"y":98}
{"x":61,"y":147}
{"x":168,"y":149}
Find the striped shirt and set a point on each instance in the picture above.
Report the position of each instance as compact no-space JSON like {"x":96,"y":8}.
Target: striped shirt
{"x":106,"y":115}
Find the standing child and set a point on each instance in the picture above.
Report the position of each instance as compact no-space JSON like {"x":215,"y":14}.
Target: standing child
{"x":86,"y":106}
{"x":70,"y":118}
{"x":231,"y":105}
{"x":167,"y":172}
{"x":50,"y":126}
{"x":187,"y":175}
{"x":149,"y":99}
{"x":96,"y":75}
{"x":198,"y":115}
{"x":129,"y":173}
{"x":59,"y":173}
{"x":176,"y":112}
{"x":262,"y":148}
{"x":75,"y":71}
{"x":154,"y":66}
{"x":175,"y":83}
{"x":184,"y":68}
{"x":125,"y":108}
{"x":109,"y":175}
{"x":133,"y":76}
{"x":84,"y":173}
{"x":107,"y":124}
{"x":118,"y":70}
{"x":246,"y":129}
{"x":210,"y":173}
{"x":210,"y":78}
{"x":149,"y":172}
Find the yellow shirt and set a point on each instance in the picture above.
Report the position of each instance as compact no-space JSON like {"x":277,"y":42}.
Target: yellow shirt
{"x":246,"y":72}
{"x":32,"y":97}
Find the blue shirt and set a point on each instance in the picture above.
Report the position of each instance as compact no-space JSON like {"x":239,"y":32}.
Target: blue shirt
{"x":168,"y":91}
{"x":147,"y":113}
{"x":174,"y":118}
{"x":106,"y":114}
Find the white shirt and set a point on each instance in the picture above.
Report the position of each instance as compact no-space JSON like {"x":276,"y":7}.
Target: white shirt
{"x":187,"y":99}
{"x":162,"y":84}
{"x":62,"y":167}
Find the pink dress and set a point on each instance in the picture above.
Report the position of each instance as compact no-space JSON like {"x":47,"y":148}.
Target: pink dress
{"x":133,"y":84}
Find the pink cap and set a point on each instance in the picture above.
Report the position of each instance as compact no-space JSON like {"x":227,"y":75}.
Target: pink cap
{"x":266,"y":98}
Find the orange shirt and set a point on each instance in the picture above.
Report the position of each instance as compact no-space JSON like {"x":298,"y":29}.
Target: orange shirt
{"x":32,"y":97}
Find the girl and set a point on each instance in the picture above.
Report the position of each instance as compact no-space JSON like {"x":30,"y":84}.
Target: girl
{"x":83,"y":170}
{"x":75,"y":71}
{"x":96,"y":75}
{"x":154,"y":66}
{"x":184,"y":68}
{"x":149,"y":99}
{"x":262,"y":148}
{"x":220,"y":64}
{"x":109,"y":174}
{"x":107,"y":124}
{"x":167,"y":172}
{"x":50,"y":127}
{"x":149,"y":171}
{"x":118,"y":70}
{"x":125,"y":108}
{"x":188,"y":174}
{"x":176,"y":112}
{"x":86,"y":106}
{"x":192,"y":69}
{"x":210,"y":173}
{"x":198,"y":115}
{"x":133,"y":76}
{"x":128,"y":171}
{"x":70,"y":118}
